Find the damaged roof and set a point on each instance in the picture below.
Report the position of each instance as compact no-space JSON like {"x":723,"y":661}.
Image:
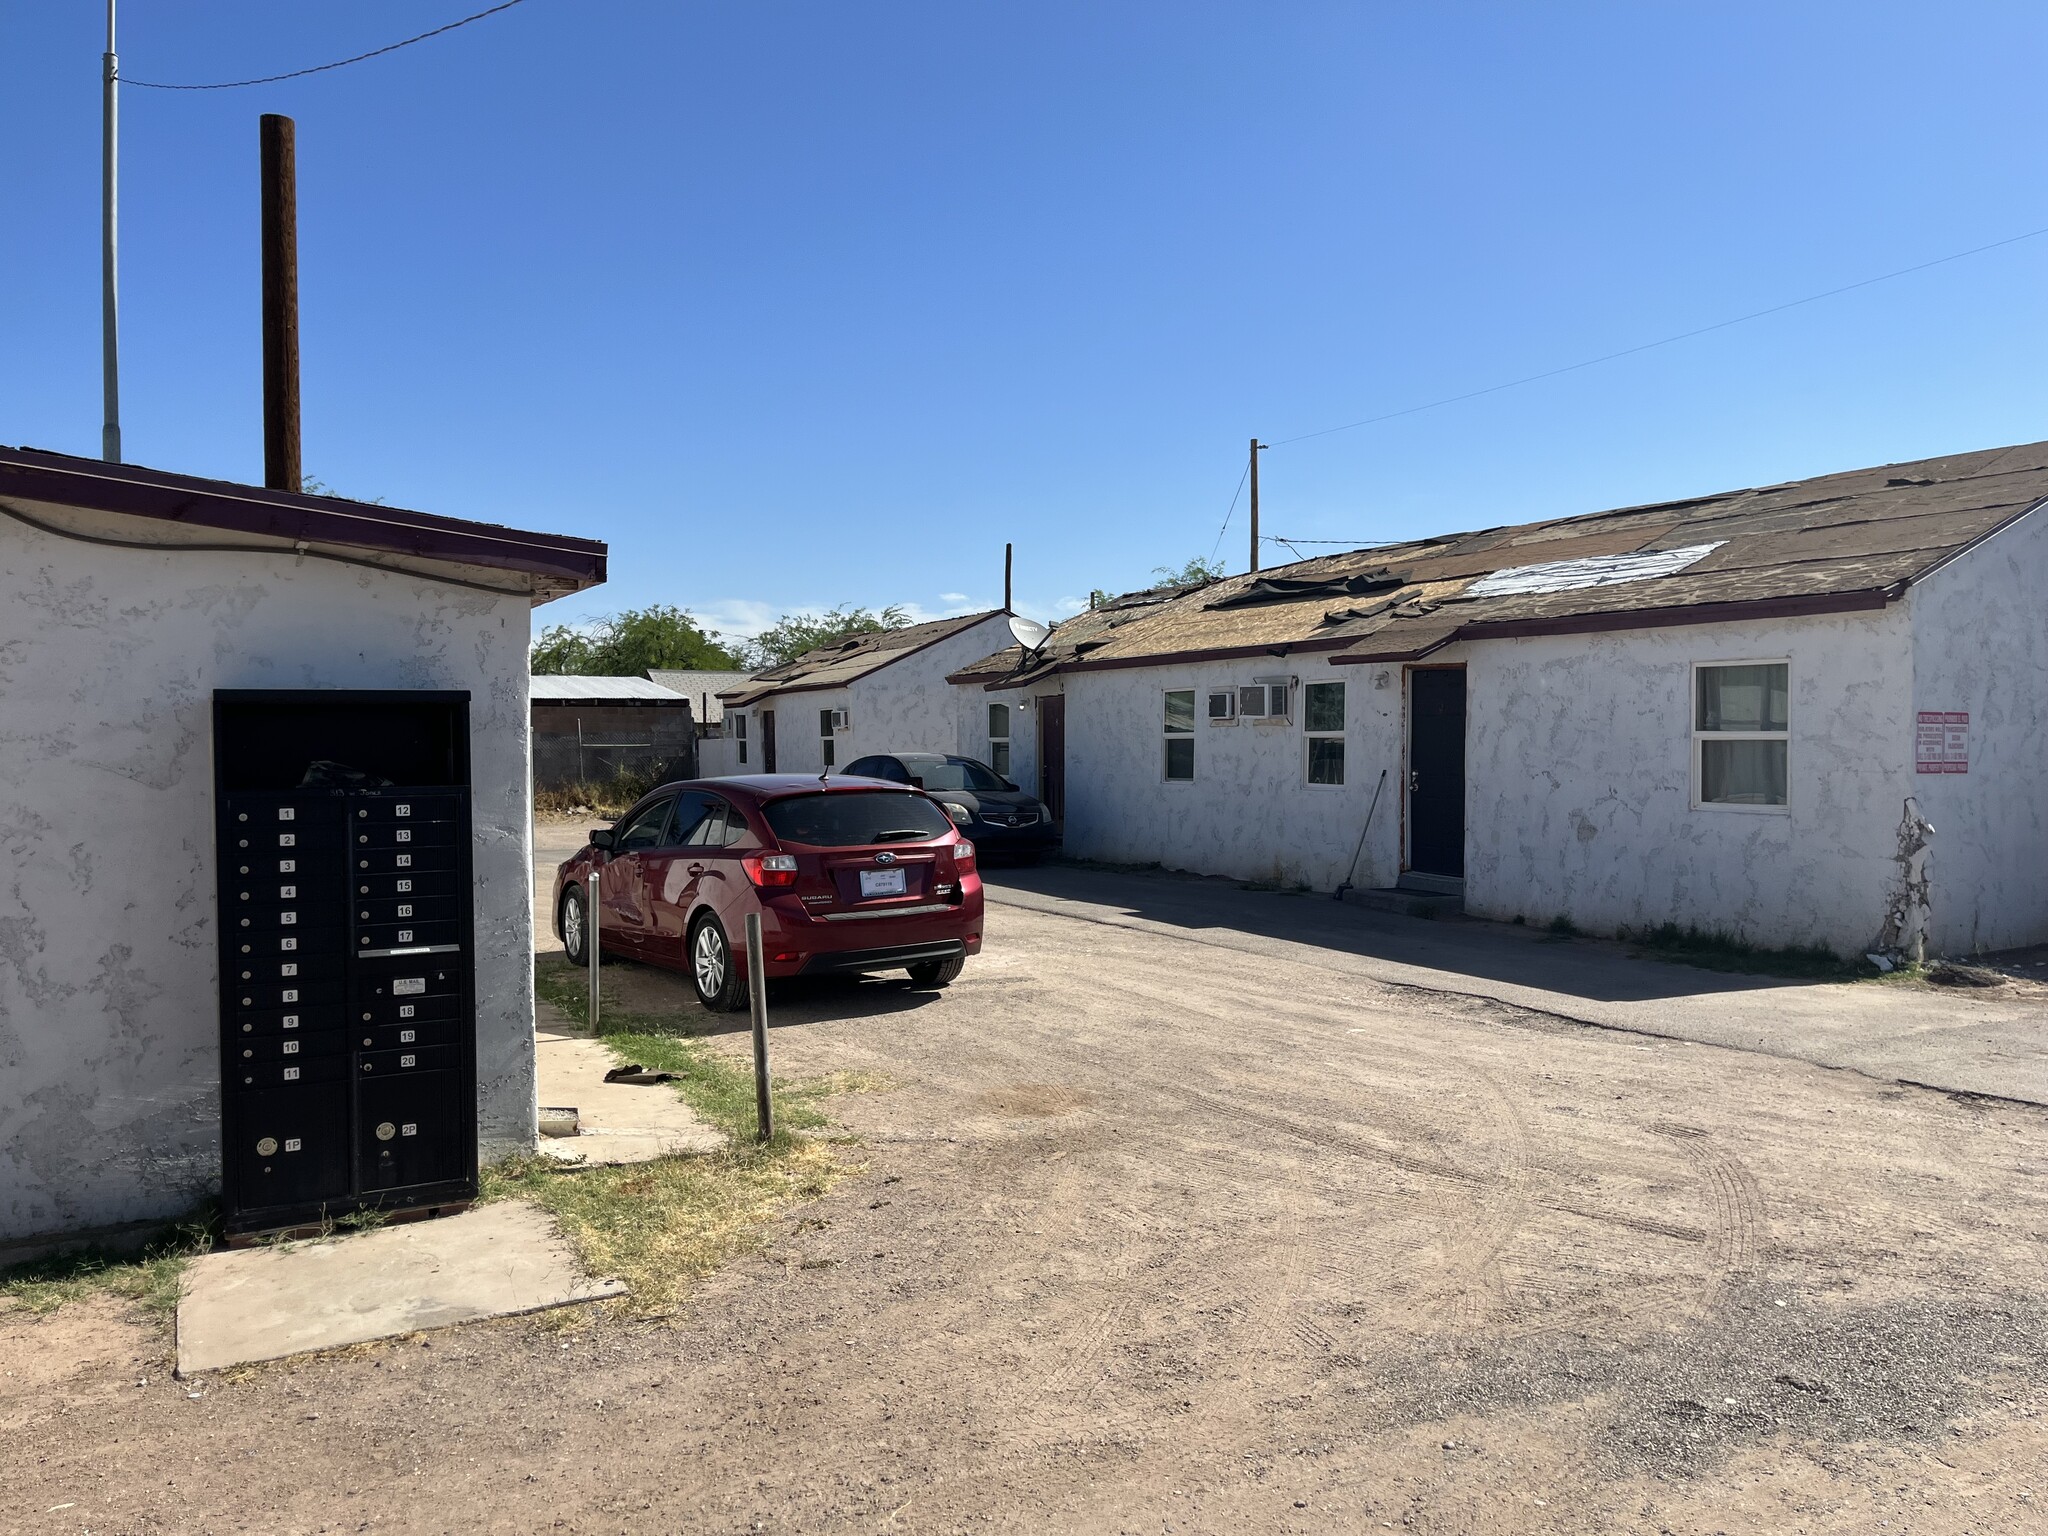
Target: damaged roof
{"x":834,"y":666}
{"x":1834,"y":544}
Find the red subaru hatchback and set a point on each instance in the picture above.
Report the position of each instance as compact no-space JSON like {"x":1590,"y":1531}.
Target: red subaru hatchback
{"x":849,"y":875}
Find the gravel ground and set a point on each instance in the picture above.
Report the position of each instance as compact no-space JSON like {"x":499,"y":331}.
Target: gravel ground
{"x":1154,"y":1234}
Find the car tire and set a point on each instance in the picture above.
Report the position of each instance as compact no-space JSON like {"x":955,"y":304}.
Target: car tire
{"x":937,"y":973}
{"x":712,"y":970}
{"x":575,"y":925}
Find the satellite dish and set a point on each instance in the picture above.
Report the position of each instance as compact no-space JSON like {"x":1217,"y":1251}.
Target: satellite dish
{"x":1028,"y":633}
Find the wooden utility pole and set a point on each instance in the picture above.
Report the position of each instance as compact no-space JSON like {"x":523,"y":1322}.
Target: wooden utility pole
{"x":282,"y":470}
{"x":1008,"y":550}
{"x":1257,"y":449}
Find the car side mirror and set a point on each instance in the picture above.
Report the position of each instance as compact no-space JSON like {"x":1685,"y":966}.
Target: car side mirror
{"x":916,"y":782}
{"x":1010,"y":787}
{"x":603,"y":839}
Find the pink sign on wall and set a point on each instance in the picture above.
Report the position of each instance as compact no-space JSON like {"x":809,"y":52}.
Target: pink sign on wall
{"x":1941,"y":742}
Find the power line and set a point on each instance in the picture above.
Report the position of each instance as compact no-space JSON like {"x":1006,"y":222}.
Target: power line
{"x":1719,"y":325}
{"x":1243,"y":475}
{"x":230,"y":85}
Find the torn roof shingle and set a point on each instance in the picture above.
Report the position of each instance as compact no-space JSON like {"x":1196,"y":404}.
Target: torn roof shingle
{"x":834,"y":666}
{"x":1834,"y":543}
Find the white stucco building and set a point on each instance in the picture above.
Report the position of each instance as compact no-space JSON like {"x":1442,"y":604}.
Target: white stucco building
{"x":879,"y":692}
{"x":127,"y":598}
{"x":1711,"y":713}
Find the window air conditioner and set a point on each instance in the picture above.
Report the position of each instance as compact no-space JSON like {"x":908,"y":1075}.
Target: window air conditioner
{"x":838,"y":719}
{"x":1223,"y":707}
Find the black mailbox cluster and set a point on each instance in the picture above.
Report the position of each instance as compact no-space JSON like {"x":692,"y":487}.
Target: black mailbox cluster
{"x":348,"y":1062}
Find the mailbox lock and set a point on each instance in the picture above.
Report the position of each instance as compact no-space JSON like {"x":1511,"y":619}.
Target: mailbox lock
{"x":267,"y":1147}
{"x":386,"y":1130}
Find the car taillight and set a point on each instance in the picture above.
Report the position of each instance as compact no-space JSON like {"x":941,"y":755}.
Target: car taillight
{"x":770,"y":869}
{"x":963,"y":854}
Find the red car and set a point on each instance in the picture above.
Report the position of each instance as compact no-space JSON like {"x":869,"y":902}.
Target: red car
{"x":849,"y":875}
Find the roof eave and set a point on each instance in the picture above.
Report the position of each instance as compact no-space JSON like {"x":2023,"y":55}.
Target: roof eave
{"x":1607,"y":621}
{"x":559,"y":563}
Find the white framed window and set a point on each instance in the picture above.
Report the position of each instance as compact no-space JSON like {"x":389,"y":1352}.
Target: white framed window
{"x":1223,"y":706}
{"x":739,"y":734}
{"x":1741,"y":735}
{"x":825,"y":723}
{"x":1178,"y":727}
{"x":1322,"y":729}
{"x":999,"y":738}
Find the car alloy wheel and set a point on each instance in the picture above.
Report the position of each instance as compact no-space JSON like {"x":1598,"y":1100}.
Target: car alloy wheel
{"x":572,"y":927}
{"x":709,"y":961}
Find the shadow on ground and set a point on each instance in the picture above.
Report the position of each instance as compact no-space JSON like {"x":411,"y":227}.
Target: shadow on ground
{"x":1497,"y":952}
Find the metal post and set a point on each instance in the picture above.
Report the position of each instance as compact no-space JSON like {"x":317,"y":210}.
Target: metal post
{"x":110,"y":308}
{"x":757,"y":995}
{"x":282,"y":470}
{"x":1008,"y":551}
{"x":590,"y":942}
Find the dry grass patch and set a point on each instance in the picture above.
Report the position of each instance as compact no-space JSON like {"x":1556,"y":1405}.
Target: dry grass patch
{"x":660,"y":1225}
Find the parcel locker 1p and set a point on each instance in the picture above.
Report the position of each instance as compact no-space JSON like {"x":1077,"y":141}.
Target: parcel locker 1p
{"x":347,"y":974}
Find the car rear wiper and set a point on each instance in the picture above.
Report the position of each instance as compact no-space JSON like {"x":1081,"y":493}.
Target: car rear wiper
{"x":896,"y":832}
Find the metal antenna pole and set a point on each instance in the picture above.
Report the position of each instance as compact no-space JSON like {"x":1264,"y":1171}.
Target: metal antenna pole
{"x":110,"y":309}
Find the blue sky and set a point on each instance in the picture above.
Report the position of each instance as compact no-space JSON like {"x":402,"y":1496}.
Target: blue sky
{"x":799,"y":304}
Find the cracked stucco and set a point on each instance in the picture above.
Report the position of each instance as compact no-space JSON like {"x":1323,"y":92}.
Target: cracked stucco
{"x":108,"y":663}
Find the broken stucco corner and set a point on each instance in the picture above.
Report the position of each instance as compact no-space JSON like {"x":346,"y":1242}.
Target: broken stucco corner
{"x":1906,"y":918}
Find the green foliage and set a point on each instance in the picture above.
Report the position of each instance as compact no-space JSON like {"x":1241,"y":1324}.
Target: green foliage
{"x":631,"y":643}
{"x":795,"y":633}
{"x":1194,"y":573}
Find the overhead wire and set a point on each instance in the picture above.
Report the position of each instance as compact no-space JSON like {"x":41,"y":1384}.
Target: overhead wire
{"x":316,"y":69}
{"x":1609,"y":357}
{"x":1665,"y":341}
{"x":1232,"y":512}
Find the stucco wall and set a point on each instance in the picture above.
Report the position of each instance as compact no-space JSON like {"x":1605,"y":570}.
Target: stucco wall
{"x":1579,"y":782}
{"x":109,"y":1056}
{"x":1980,"y":646}
{"x":907,"y":706}
{"x":1250,"y":812}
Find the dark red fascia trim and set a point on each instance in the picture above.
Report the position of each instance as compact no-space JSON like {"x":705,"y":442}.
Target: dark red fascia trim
{"x":1639,"y":618}
{"x":62,"y":480}
{"x":1278,"y":649}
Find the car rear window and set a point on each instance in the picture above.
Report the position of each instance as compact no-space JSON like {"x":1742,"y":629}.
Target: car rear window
{"x":952,"y":773}
{"x":853,"y":818}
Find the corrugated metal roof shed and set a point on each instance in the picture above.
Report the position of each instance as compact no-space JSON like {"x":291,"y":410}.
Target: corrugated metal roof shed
{"x":1833,"y":544}
{"x":571,"y":689}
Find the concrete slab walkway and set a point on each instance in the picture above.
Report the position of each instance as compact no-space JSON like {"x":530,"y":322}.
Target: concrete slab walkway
{"x":266,"y":1303}
{"x":1993,"y":1042}
{"x":621,"y":1122}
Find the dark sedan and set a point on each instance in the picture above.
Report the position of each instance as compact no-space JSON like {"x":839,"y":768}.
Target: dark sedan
{"x":1000,"y":817}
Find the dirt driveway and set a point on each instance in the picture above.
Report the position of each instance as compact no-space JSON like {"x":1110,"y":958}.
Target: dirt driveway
{"x":1157,"y":1234}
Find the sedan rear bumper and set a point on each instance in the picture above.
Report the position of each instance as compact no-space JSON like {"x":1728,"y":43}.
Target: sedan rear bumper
{"x":893,"y":957}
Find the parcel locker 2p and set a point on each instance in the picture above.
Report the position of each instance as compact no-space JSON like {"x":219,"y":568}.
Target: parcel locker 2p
{"x":347,"y":972}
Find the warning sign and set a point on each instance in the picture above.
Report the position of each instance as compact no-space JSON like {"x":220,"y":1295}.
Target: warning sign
{"x":1941,"y":742}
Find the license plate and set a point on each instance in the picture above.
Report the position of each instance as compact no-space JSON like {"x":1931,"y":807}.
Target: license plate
{"x":881,"y":882}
